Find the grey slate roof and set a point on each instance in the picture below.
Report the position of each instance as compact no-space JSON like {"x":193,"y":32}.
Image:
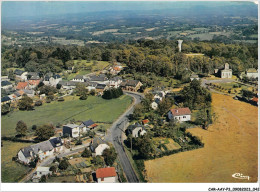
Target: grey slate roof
{"x":68,"y":83}
{"x":101,"y":77}
{"x":43,"y":146}
{"x":27,"y":150}
{"x":56,"y":142}
{"x":101,"y":86}
{"x":18,"y":72}
{"x":157,"y":100}
{"x":79,"y":77}
{"x":88,"y":123}
{"x":4,"y":99}
{"x":132,"y":83}
{"x":72,"y":126}
{"x":96,"y":142}
{"x":4,"y":83}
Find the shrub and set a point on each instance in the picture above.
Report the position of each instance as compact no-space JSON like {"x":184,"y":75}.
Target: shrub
{"x":86,"y":153}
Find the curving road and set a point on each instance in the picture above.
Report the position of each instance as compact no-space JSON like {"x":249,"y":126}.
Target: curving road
{"x":115,"y":136}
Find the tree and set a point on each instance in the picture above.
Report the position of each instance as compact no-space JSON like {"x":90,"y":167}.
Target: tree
{"x":109,"y":155}
{"x":26,"y":103}
{"x":164,"y":106}
{"x":11,"y":75}
{"x":145,"y":146}
{"x":98,"y":161}
{"x":38,"y":103}
{"x":21,"y":128}
{"x":58,"y":86}
{"x":246,"y":93}
{"x":5,"y":109}
{"x":64,"y":164}
{"x":43,"y":179}
{"x":53,"y":168}
{"x":86,"y":153}
{"x":44,"y":132}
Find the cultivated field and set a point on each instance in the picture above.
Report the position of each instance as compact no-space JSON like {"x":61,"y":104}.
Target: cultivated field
{"x":231,"y":146}
{"x":11,"y":171}
{"x":94,"y":108}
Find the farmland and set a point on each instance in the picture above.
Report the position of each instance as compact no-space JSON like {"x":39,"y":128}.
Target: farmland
{"x":11,"y":171}
{"x":230,"y":147}
{"x":94,"y":108}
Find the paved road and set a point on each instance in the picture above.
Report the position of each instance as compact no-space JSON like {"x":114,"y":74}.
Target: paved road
{"x":115,"y":136}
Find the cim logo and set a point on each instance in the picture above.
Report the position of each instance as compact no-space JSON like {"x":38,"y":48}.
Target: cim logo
{"x":240,"y":176}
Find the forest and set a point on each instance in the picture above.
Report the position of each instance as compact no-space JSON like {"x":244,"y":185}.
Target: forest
{"x":158,"y":57}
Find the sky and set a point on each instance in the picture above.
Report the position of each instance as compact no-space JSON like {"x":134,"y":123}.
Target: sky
{"x":28,"y":8}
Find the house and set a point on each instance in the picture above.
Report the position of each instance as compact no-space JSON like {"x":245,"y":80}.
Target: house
{"x":79,"y":78}
{"x":15,"y":96}
{"x":155,"y":103}
{"x":22,"y":75}
{"x":33,"y":76}
{"x":22,"y":85}
{"x":131,"y":85}
{"x":106,"y":175}
{"x":145,"y":121}
{"x":33,"y":83}
{"x":5,"y":99}
{"x":136,"y":130}
{"x":68,"y":85}
{"x":28,"y":92}
{"x":252,"y":73}
{"x":91,"y":85}
{"x":71,"y":129}
{"x":51,"y":79}
{"x":87,"y":125}
{"x":115,"y":82}
{"x":40,"y":171}
{"x":6,"y":85}
{"x":5,"y":78}
{"x":100,"y":79}
{"x":42,"y":150}
{"x":254,"y":100}
{"x":180,"y":114}
{"x":194,"y":76}
{"x":100,"y":88}
{"x":97,"y":146}
{"x":57,"y":144}
{"x":226,"y":72}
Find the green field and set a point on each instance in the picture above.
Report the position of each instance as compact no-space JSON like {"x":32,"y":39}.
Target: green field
{"x":94,"y":108}
{"x":11,"y":171}
{"x":88,"y":67}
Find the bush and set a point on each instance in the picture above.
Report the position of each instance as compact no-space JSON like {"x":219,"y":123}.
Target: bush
{"x":34,"y":127}
{"x":64,"y":164}
{"x":38,"y":103}
{"x":61,"y":99}
{"x":86,"y":153}
{"x":79,"y":142}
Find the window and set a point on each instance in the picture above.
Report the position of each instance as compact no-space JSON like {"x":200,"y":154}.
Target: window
{"x":102,"y":179}
{"x":184,"y":116}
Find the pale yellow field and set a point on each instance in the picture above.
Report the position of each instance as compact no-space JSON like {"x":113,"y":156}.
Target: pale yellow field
{"x":231,"y":146}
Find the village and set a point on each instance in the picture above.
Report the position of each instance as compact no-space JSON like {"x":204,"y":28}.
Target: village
{"x":78,"y":148}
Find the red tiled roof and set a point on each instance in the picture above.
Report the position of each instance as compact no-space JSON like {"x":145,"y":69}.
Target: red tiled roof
{"x":255,"y":99}
{"x":181,"y":111}
{"x":21,"y":85}
{"x":93,"y":125}
{"x":106,"y":172}
{"x":34,"y":82}
{"x":145,"y":121}
{"x":117,"y":69}
{"x":21,"y":92}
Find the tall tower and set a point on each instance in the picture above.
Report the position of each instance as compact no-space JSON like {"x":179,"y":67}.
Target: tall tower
{"x":179,"y":44}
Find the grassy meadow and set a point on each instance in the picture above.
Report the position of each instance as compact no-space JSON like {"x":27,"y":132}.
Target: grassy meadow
{"x":94,"y":108}
{"x":231,"y":146}
{"x":10,"y":170}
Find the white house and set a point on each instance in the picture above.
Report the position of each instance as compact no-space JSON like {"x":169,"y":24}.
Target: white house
{"x":194,"y":76}
{"x":180,"y":114}
{"x":79,"y":78}
{"x":252,"y":73}
{"x":54,"y":80}
{"x":115,"y":82}
{"x":43,"y":149}
{"x":97,"y":146}
{"x":22,"y":75}
{"x":6,"y":85}
{"x":40,"y":171}
{"x":136,"y":130}
{"x":155,"y":103}
{"x":226,"y":72}
{"x":106,"y":175}
{"x":72,"y":129}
